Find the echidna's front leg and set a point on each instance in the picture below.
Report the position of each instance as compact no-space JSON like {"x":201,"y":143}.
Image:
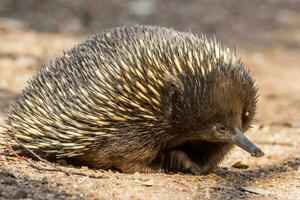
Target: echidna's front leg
{"x":178,"y":161}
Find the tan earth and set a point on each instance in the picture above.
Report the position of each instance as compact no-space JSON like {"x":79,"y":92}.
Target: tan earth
{"x":274,"y":65}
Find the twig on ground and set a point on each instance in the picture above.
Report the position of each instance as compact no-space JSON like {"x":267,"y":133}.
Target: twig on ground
{"x":276,"y":143}
{"x":294,"y":124}
{"x":243,"y":189}
{"x":10,"y":148}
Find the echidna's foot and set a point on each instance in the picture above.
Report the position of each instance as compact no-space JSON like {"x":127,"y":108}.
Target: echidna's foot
{"x":178,"y":161}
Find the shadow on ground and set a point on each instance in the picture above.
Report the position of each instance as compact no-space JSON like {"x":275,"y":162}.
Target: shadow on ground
{"x":10,"y":184}
{"x":234,"y":183}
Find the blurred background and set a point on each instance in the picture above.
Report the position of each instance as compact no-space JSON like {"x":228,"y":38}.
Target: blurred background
{"x":255,"y":23}
{"x":266,"y":34}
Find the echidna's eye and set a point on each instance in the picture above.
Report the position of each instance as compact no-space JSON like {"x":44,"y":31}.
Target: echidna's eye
{"x":221,"y":128}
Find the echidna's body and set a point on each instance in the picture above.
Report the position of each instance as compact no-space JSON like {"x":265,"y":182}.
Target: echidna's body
{"x":136,"y":98}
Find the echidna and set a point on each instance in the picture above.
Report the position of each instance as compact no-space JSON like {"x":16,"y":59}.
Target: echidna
{"x":139,"y":98}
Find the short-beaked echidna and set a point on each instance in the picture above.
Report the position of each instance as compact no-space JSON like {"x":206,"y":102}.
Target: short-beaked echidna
{"x":139,"y":98}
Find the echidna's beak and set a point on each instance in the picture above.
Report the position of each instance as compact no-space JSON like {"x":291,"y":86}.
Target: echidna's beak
{"x":242,"y":141}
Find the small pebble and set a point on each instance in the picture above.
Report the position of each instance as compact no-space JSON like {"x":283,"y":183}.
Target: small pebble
{"x":20,"y":195}
{"x":148,"y":183}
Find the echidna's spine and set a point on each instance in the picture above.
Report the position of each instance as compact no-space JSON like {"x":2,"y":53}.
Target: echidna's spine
{"x":110,"y":86}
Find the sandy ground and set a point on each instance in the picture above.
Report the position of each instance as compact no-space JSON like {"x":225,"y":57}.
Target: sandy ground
{"x":277,"y":131}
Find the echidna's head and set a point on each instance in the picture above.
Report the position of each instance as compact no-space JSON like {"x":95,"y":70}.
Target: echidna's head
{"x":219,"y":107}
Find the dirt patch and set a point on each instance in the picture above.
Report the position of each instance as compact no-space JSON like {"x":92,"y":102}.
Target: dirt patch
{"x":275,"y":176}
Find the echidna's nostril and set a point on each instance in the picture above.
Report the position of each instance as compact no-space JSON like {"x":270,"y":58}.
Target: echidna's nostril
{"x":258,"y":153}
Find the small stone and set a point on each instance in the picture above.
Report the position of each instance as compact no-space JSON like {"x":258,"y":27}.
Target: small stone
{"x":84,"y":167}
{"x":148,"y":183}
{"x":20,"y":195}
{"x":44,"y":180}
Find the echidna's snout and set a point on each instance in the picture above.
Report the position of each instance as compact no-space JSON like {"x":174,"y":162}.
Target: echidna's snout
{"x":239,"y":139}
{"x":235,"y":136}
